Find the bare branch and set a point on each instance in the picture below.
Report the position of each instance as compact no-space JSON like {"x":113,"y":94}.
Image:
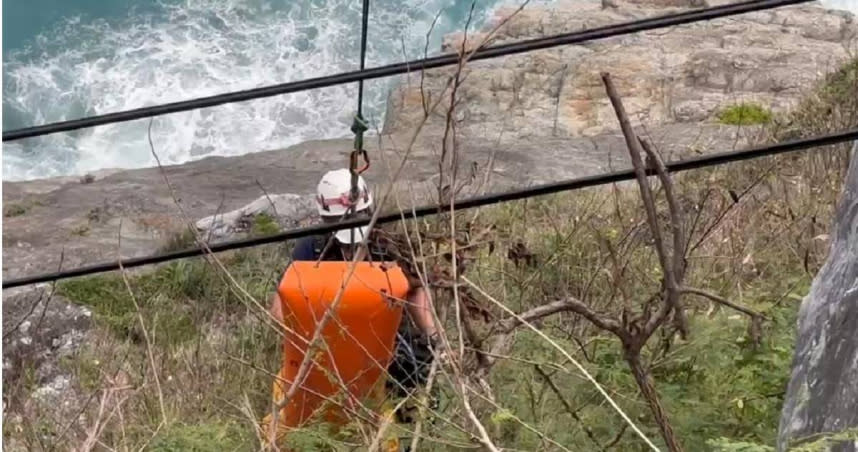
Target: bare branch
{"x":673,"y":206}
{"x":737,"y":199}
{"x":644,"y":381}
{"x":724,"y":301}
{"x":423,"y":101}
{"x":386,"y":422}
{"x":421,"y":410}
{"x":677,"y":231}
{"x":527,"y":426}
{"x":563,"y":305}
{"x":670,"y":302}
{"x":671,"y":277}
{"x":635,"y":152}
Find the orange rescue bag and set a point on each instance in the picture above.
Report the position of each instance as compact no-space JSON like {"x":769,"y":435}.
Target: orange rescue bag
{"x":358,"y":341}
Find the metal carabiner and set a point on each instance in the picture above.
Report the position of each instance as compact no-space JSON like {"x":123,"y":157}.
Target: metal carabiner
{"x":353,"y":161}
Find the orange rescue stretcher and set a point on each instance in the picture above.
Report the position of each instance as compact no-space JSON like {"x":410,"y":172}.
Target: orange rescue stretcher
{"x":349,"y":364}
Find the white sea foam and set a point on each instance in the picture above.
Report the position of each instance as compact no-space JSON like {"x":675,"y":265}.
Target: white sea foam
{"x":205,"y":47}
{"x":198,"y":48}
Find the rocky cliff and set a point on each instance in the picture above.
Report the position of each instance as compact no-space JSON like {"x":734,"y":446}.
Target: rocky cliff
{"x":679,"y":75}
{"x":537,"y":117}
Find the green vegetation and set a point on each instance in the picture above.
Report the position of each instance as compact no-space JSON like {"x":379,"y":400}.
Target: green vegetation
{"x":17,"y":209}
{"x":745,"y":114}
{"x":14,"y":210}
{"x":186,"y":294}
{"x":757,"y":237}
{"x":831,"y":107}
{"x":264,"y":224}
{"x":716,"y":385}
{"x":110,"y":300}
{"x":725,"y":381}
{"x":204,"y":437}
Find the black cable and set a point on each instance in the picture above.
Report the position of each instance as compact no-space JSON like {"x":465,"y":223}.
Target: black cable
{"x":402,"y":68}
{"x":545,"y":189}
{"x":364,"y":26}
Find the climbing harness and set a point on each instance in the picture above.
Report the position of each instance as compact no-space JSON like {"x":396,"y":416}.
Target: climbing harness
{"x":359,"y":125}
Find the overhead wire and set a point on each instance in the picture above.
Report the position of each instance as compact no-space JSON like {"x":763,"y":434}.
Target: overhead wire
{"x":576,"y":37}
{"x":469,"y":203}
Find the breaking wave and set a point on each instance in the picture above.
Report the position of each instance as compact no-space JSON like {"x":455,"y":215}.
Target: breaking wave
{"x":177,"y":51}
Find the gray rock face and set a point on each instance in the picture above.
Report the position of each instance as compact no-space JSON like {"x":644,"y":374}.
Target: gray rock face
{"x":679,"y":74}
{"x":39,"y":330}
{"x":218,"y":193}
{"x":82,"y":221}
{"x":822,"y":397}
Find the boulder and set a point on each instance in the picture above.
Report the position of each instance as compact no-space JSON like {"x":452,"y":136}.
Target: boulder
{"x":40,"y":331}
{"x":822,"y":396}
{"x":288,"y":209}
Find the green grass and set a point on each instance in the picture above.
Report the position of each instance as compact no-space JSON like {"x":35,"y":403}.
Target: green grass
{"x":110,"y":300}
{"x":203,"y":437}
{"x":260,"y":225}
{"x":210,"y":352}
{"x":182,"y":240}
{"x":17,"y":209}
{"x":745,"y":114}
{"x":178,"y":298}
{"x":264,"y":224}
{"x":840,"y":85}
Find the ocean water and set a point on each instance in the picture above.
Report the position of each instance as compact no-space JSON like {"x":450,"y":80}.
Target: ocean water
{"x":65,"y":59}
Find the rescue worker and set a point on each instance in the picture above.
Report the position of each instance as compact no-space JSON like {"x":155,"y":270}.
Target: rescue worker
{"x":417,"y":331}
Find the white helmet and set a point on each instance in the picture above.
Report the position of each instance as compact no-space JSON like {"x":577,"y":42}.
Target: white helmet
{"x":333,"y":200}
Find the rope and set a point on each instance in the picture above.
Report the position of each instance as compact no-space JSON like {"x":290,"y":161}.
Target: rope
{"x":545,"y":189}
{"x":364,"y":26}
{"x":359,"y":125}
{"x":403,"y":68}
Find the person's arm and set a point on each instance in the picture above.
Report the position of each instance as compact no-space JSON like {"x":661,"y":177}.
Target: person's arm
{"x":276,"y":309}
{"x":420,"y":310}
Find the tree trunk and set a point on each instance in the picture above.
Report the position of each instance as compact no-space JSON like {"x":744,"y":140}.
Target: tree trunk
{"x":644,"y":381}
